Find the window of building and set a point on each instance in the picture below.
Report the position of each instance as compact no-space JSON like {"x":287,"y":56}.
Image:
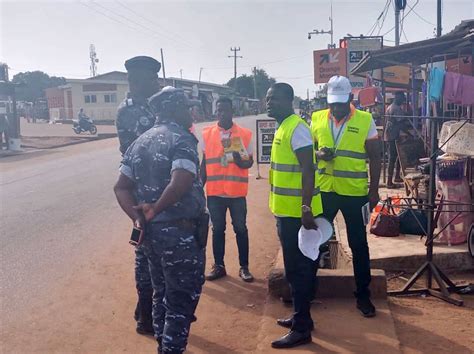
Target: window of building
{"x":110,"y":98}
{"x":90,"y":99}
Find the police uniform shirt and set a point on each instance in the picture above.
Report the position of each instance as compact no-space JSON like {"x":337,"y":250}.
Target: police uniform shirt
{"x":134,"y":117}
{"x":152,"y":158}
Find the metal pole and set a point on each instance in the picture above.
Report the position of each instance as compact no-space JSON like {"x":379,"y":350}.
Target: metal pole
{"x":332,"y":30}
{"x":438,"y":19}
{"x":432,"y":194}
{"x":397,"y":26}
{"x":163,"y":66}
{"x":255,"y":82}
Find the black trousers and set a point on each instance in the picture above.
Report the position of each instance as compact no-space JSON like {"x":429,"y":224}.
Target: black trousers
{"x":356,"y":233}
{"x":300,"y":272}
{"x":238,"y":211}
{"x":392,"y":160}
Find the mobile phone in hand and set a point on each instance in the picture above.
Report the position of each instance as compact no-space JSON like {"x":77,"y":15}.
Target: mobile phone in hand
{"x":135,"y":236}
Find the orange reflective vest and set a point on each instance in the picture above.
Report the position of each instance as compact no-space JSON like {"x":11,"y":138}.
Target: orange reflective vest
{"x":224,"y":179}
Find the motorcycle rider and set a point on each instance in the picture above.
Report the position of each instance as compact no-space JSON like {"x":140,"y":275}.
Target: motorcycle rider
{"x":84,"y":120}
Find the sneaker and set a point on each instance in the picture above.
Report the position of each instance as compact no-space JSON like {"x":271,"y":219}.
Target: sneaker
{"x":217,"y":271}
{"x":365,"y":306}
{"x":245,"y":274}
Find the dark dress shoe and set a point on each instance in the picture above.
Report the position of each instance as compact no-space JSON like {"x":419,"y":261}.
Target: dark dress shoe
{"x":365,"y":306}
{"x":288,"y":322}
{"x":292,"y":339}
{"x":285,"y":322}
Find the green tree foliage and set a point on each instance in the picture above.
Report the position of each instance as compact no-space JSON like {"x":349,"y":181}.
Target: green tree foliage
{"x":245,"y":87}
{"x":33,"y":84}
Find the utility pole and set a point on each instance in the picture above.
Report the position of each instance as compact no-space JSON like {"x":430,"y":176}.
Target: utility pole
{"x":181,"y":73}
{"x":332,"y":45}
{"x":94,"y":60}
{"x":255,"y":82}
{"x":439,"y":25}
{"x":200,"y":73}
{"x":399,"y":5}
{"x":235,"y":56}
{"x":163,"y":66}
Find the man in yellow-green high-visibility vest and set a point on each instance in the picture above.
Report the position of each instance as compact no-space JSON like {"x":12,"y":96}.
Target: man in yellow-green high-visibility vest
{"x":345,"y":137}
{"x":294,"y":200}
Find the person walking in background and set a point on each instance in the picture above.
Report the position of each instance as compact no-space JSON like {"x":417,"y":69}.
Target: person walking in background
{"x":394,"y":123}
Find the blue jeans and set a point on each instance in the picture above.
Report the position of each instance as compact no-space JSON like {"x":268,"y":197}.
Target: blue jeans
{"x":238,"y":211}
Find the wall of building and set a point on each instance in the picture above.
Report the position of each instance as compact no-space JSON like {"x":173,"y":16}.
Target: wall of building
{"x":99,"y":100}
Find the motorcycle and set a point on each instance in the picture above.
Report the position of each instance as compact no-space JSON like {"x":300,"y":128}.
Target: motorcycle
{"x":84,"y":125}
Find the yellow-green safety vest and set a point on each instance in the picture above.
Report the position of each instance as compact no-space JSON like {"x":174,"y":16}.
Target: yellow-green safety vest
{"x":285,"y":174}
{"x":346,"y":174}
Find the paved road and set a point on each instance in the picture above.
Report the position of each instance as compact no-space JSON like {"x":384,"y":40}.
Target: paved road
{"x":45,"y":129}
{"x":58,"y":216}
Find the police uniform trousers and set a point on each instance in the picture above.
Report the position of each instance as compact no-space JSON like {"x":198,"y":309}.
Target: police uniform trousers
{"x":177,"y":274}
{"x":143,"y":284}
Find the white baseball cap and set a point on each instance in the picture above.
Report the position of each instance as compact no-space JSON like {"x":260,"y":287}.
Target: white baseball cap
{"x":309,"y":241}
{"x":339,"y":89}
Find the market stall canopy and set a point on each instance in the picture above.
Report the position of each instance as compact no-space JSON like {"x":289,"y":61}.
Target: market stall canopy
{"x":458,"y":42}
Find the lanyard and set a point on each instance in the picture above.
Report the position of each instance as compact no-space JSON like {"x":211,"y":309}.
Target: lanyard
{"x":336,"y":142}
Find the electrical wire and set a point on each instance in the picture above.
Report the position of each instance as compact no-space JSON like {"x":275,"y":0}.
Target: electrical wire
{"x":402,"y":30}
{"x":374,"y":26}
{"x":404,"y":16}
{"x":126,"y":7}
{"x":384,"y":17}
{"x":151,"y":30}
{"x":420,"y":17}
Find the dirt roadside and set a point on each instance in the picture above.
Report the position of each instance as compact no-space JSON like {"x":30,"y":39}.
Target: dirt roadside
{"x":429,"y":325}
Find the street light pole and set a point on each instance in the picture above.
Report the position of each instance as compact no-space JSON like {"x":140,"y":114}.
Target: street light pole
{"x":331,"y":32}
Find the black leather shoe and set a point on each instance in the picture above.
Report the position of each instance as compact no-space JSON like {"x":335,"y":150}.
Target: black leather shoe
{"x":292,"y":339}
{"x":365,"y":306}
{"x":288,"y":322}
{"x":217,"y":272}
{"x":285,"y":322}
{"x":145,"y":329}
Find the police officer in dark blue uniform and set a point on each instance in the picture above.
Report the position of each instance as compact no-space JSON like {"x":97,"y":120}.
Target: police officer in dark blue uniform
{"x":134,"y":117}
{"x":159,"y":172}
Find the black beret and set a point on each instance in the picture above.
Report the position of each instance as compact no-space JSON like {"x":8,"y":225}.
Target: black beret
{"x":143,"y":62}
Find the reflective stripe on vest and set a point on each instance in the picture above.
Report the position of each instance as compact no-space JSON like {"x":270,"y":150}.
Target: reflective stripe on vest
{"x":227,"y":178}
{"x":224,"y":179}
{"x":346,"y":174}
{"x":291,"y":192}
{"x":214,"y":160}
{"x":286,"y":176}
{"x":353,"y":154}
{"x":285,"y":167}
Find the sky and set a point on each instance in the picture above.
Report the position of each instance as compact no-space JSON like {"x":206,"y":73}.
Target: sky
{"x":54,"y":36}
